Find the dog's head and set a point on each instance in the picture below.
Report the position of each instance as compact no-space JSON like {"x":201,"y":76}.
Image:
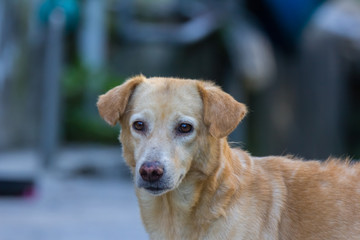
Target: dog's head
{"x":167,"y":124}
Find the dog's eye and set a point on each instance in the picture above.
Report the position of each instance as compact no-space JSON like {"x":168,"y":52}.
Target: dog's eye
{"x":184,"y":128}
{"x":139,"y":126}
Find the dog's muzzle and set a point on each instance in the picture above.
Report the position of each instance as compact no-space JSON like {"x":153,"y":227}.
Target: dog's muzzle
{"x":152,"y":177}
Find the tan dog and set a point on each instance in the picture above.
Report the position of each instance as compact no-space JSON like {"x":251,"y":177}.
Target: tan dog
{"x":191,"y":185}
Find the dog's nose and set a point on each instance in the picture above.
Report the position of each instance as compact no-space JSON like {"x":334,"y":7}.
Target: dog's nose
{"x":151,"y":171}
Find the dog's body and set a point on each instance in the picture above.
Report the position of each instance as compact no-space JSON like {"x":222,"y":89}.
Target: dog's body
{"x":192,"y":185}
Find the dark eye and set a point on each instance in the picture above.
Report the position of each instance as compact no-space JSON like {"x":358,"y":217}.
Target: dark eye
{"x":184,"y":128}
{"x":139,"y":126}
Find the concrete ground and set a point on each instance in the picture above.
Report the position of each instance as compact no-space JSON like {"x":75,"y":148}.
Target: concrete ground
{"x":79,"y":198}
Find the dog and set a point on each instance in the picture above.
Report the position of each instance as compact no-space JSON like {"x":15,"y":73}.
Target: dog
{"x":191,"y":185}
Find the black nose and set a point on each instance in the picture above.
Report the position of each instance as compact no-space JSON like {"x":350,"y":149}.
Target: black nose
{"x":151,"y":171}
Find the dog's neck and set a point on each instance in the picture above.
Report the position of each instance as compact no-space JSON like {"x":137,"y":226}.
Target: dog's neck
{"x":199,"y":193}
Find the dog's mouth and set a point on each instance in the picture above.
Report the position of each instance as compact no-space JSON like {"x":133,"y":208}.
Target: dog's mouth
{"x":156,"y":190}
{"x":158,"y":187}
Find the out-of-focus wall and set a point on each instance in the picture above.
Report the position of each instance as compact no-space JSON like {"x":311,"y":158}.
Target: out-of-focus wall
{"x":301,"y":89}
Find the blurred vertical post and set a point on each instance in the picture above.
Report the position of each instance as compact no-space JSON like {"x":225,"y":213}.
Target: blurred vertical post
{"x":92,"y":45}
{"x":52,"y":66}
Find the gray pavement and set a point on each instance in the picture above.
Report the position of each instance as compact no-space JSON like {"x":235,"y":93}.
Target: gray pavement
{"x":70,"y":206}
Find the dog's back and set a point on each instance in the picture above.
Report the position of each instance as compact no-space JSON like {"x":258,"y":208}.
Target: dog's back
{"x":315,"y":200}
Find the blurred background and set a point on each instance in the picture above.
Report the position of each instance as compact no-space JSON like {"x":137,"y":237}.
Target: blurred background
{"x":295,"y":64}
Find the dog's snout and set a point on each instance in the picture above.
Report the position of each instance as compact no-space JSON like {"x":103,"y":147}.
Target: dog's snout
{"x":151,"y":171}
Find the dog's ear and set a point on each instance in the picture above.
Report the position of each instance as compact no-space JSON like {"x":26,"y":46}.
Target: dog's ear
{"x":222,"y":113}
{"x":112,"y":104}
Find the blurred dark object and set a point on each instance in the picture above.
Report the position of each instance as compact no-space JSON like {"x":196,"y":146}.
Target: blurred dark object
{"x":18,"y":173}
{"x":180,"y":22}
{"x":329,"y":60}
{"x":312,"y":107}
{"x":284,"y":20}
{"x":16,"y":188}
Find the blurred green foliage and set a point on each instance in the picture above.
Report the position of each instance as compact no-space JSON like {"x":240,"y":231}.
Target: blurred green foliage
{"x":82,"y":122}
